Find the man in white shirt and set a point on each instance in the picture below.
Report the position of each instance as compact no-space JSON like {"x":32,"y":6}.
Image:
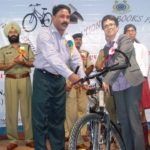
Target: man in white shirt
{"x":56,"y":54}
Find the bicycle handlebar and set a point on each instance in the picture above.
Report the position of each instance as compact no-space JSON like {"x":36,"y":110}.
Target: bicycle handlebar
{"x":107,"y":69}
{"x":37,"y":4}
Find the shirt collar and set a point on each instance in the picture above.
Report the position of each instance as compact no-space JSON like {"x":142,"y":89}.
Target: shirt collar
{"x":10,"y":46}
{"x":112,"y":41}
{"x":54,"y":30}
{"x":116,"y":37}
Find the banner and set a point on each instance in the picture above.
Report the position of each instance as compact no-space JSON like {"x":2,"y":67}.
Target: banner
{"x":86,"y":17}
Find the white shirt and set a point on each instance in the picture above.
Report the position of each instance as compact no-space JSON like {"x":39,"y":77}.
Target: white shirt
{"x":142,"y":58}
{"x":53,"y":54}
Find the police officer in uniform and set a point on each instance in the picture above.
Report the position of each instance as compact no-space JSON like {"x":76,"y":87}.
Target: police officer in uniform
{"x":16,"y":62}
{"x":76,"y":103}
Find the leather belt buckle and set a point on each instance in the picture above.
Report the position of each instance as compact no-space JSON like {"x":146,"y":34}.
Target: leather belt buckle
{"x":49,"y":73}
{"x":18,"y":76}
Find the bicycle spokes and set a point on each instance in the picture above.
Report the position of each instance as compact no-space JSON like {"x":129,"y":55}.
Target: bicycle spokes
{"x":29,"y":22}
{"x":47,"y":19}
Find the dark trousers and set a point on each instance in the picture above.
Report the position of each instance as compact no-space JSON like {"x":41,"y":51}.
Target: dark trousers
{"x":48,"y":110}
{"x":127,"y":107}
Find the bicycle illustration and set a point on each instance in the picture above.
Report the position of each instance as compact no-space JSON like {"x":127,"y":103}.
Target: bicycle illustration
{"x":30,"y":20}
{"x":101,"y":132}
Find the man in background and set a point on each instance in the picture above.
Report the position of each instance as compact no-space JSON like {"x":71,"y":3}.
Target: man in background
{"x":76,"y":103}
{"x":16,"y":61}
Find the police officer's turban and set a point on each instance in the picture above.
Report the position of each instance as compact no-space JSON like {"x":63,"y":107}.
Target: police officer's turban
{"x":77,"y":35}
{"x":11,"y":25}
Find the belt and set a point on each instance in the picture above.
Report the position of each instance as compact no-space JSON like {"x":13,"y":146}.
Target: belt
{"x":49,"y":73}
{"x":18,"y":76}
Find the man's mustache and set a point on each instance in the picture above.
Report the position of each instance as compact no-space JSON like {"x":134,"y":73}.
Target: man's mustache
{"x":65,"y":23}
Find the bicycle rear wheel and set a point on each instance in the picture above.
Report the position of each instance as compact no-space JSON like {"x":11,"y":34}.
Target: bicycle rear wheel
{"x":29,"y":22}
{"x":96,"y":134}
{"x":47,"y":19}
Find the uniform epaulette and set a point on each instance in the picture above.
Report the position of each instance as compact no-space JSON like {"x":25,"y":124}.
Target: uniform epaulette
{"x":4,"y":47}
{"x":25,"y":44}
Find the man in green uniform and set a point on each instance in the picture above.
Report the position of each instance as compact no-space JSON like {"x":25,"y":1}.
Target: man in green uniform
{"x":16,"y":62}
{"x":76,"y":103}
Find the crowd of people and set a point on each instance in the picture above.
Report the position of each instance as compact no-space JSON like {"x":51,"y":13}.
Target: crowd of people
{"x":51,"y":106}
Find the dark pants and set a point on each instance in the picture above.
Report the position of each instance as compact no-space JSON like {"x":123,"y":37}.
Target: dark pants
{"x":127,"y":105}
{"x":48,"y":110}
{"x":110,"y":106}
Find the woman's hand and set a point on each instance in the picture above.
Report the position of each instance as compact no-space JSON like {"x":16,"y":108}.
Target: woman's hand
{"x":106,"y":87}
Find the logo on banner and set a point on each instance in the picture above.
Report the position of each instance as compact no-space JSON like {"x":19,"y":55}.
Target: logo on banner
{"x":121,"y":7}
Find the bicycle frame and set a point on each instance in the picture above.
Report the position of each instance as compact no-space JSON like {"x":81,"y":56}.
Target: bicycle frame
{"x":96,"y":96}
{"x":30,"y":20}
{"x":101,"y":128}
{"x":97,"y":108}
{"x":38,"y":15}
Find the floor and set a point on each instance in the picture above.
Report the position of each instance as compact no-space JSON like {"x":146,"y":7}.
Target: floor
{"x":21,"y":145}
{"x":4,"y":143}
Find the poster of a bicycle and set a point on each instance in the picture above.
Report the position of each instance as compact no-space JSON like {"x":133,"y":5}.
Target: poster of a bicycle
{"x":30,"y":20}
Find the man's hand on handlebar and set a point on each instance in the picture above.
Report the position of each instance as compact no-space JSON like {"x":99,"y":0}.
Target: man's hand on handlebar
{"x":68,"y":85}
{"x":74,"y":78}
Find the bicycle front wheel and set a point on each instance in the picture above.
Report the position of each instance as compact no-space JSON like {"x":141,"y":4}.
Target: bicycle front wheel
{"x":47,"y":19}
{"x":29,"y":22}
{"x":96,"y":134}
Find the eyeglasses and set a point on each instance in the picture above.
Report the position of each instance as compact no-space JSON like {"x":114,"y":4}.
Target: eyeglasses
{"x":131,"y":30}
{"x":109,"y":25}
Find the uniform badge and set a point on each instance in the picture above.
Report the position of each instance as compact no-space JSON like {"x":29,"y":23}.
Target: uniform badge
{"x":70,"y":44}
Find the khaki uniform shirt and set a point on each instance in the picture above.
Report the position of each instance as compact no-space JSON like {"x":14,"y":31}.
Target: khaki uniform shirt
{"x":101,"y":59}
{"x":85,"y":58}
{"x":8,"y":54}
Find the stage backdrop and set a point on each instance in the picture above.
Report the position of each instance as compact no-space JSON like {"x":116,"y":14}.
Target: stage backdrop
{"x":86,"y":18}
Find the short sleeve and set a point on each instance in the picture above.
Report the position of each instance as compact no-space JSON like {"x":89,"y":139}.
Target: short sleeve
{"x":1,"y":57}
{"x":30,"y":53}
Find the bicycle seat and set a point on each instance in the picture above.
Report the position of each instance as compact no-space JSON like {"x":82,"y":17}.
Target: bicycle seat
{"x":44,"y":8}
{"x":37,"y":4}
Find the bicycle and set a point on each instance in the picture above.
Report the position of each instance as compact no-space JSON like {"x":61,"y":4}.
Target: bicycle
{"x":29,"y":21}
{"x":102,"y":133}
